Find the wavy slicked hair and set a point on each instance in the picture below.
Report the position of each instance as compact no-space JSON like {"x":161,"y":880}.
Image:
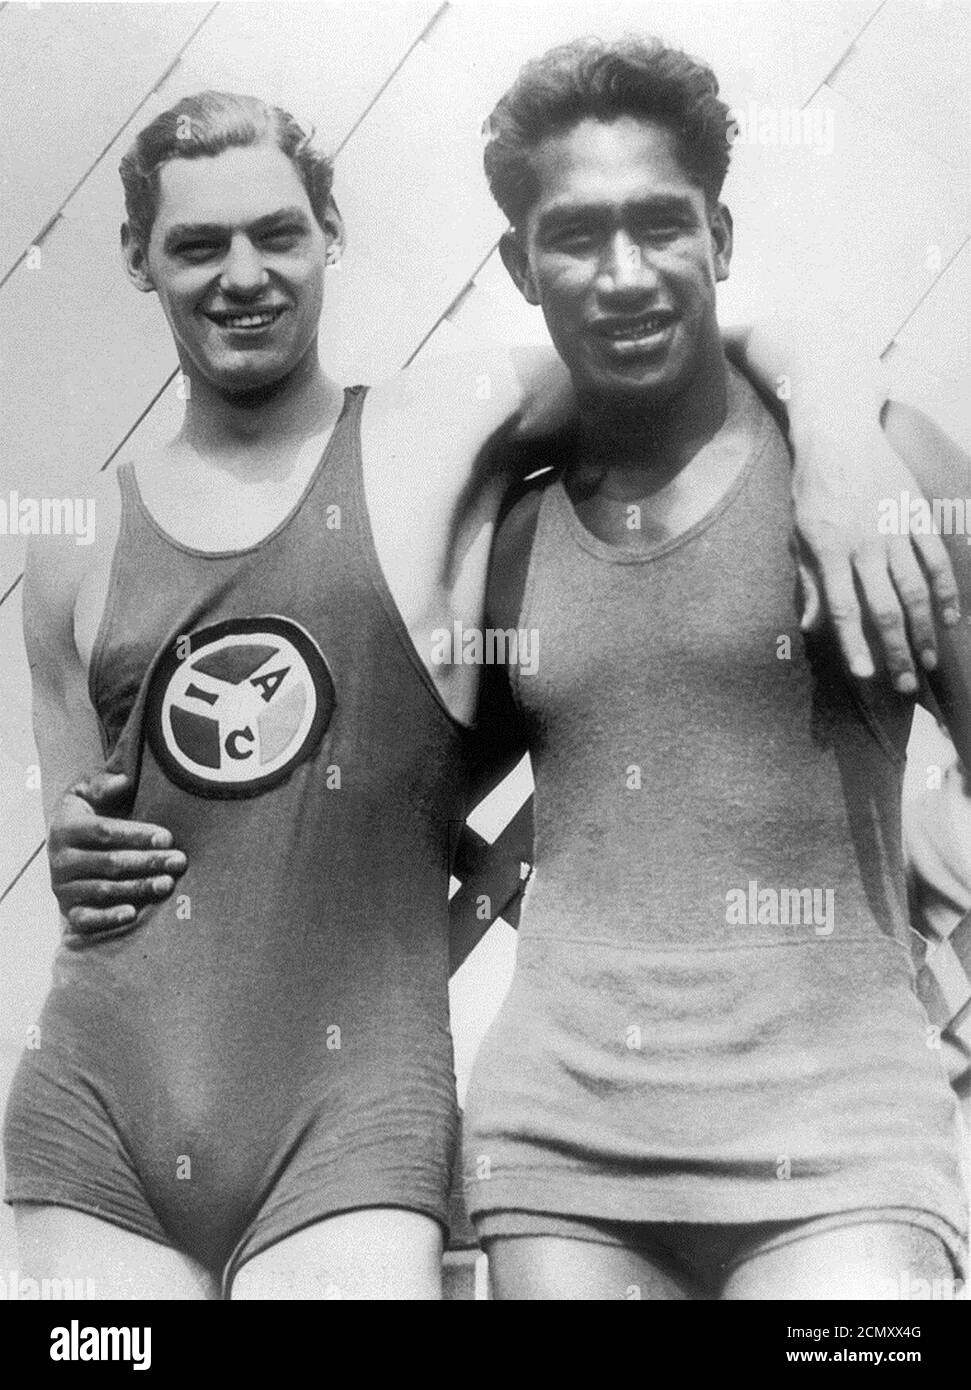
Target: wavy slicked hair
{"x":207,"y":124}
{"x":594,"y":79}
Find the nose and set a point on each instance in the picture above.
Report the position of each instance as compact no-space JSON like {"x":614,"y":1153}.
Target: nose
{"x":624,"y":269}
{"x":243,"y":273}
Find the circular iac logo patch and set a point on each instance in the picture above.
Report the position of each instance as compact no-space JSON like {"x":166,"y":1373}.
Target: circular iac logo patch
{"x":232,"y":708}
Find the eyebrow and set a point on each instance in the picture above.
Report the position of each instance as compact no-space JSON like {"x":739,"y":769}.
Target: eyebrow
{"x":212,"y":231}
{"x":664,"y":204}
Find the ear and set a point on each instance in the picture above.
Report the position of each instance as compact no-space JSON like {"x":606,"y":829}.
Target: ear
{"x":720,"y":222}
{"x":334,"y":232}
{"x":135,"y":260}
{"x":516,"y":260}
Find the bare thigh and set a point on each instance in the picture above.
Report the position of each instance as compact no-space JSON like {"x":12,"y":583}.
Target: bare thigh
{"x":873,"y":1261}
{"x":62,"y":1244}
{"x":558,"y":1267}
{"x":376,"y":1253}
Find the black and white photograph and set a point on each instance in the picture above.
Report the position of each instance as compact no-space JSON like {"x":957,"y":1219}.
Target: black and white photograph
{"x":485,"y":658}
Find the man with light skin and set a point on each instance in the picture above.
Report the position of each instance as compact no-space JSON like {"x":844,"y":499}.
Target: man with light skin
{"x":247,"y":1091}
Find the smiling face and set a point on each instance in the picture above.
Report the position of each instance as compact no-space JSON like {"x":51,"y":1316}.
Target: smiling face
{"x":237,"y":258}
{"x":623,"y":253}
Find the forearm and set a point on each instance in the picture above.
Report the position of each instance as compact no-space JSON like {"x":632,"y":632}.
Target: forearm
{"x":65,"y":725}
{"x":68,"y":745}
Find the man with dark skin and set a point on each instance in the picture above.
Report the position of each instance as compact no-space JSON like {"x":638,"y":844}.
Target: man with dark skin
{"x":711,"y":1076}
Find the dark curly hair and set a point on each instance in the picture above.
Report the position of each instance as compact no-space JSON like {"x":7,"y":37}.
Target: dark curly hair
{"x":590,"y":78}
{"x":207,"y":124}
